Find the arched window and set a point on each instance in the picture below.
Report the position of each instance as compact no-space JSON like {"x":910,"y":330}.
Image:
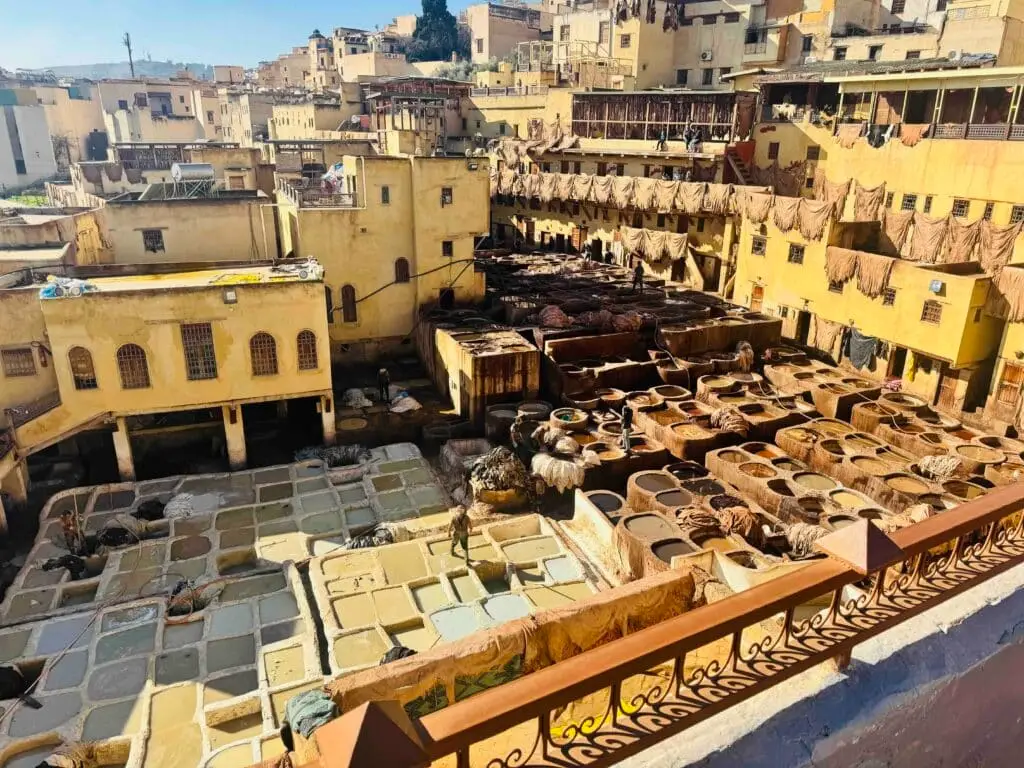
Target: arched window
{"x":330,"y":304}
{"x":348,"y":304}
{"x":82,"y":370}
{"x":263,"y":352}
{"x":401,"y":270}
{"x":306,"y":342}
{"x":132,"y":365}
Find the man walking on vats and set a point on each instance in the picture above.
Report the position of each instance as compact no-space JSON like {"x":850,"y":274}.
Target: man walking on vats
{"x":459,"y":528}
{"x":627,"y":427}
{"x":638,"y":277}
{"x":384,"y":385}
{"x":522,"y":442}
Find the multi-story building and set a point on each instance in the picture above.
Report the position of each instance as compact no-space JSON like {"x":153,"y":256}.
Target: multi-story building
{"x":496,"y":29}
{"x":245,"y":115}
{"x":289,"y":70}
{"x":322,"y":72}
{"x":394,"y":234}
{"x":26,"y":148}
{"x":228,"y":74}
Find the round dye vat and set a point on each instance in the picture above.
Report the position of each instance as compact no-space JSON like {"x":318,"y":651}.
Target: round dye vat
{"x":833,"y":428}
{"x":902,"y":400}
{"x":802,"y":434}
{"x":870,"y":514}
{"x":810,"y":508}
{"x":715,"y":382}
{"x":653,"y":482}
{"x":836,"y":389}
{"x":671,"y":392}
{"x":910,"y":429}
{"x":787,"y":465}
{"x":763,"y":450}
{"x":650,"y":527}
{"x":717,"y":543}
{"x":877,"y":409}
{"x":757,"y":469}
{"x":862,"y":441}
{"x":962,"y":489}
{"x":606,"y":452}
{"x":814,"y":481}
{"x":980,"y":453}
{"x":584,"y":438}
{"x":724,"y":501}
{"x":933,"y":438}
{"x":743,"y":559}
{"x":703,"y":487}
{"x":781,"y":487}
{"x":847,"y":499}
{"x":605,"y":501}
{"x":666,"y":550}
{"x":841,"y":521}
{"x":803,"y":375}
{"x":906,"y":484}
{"x":686,"y":470}
{"x":833,"y":446}
{"x":733,"y":457}
{"x":673,"y":498}
{"x":640,"y":445}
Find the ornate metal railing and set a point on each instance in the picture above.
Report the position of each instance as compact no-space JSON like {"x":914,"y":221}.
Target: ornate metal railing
{"x":619,"y":698}
{"x":314,"y":197}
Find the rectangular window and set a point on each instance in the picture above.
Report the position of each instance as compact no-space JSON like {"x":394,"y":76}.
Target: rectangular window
{"x":181,"y":99}
{"x":940,"y":5}
{"x":122,"y":103}
{"x":913,"y":55}
{"x":209,"y":116}
{"x":1010,"y":384}
{"x":987,"y":215}
{"x":773,"y":150}
{"x":604,"y":33}
{"x":385,"y":195}
{"x":809,"y":182}
{"x":889,"y":297}
{"x":758,"y":246}
{"x":807,"y":44}
{"x":931,"y":312}
{"x":927,"y":204}
{"x":796,"y":254}
{"x":564,"y":166}
{"x":563,"y":32}
{"x":577,"y":167}
{"x":447,"y":196}
{"x":19,"y":167}
{"x":889,"y":198}
{"x":686,"y":22}
{"x":545,"y":167}
{"x":909,"y":203}
{"x":200,"y":356}
{"x":465,"y":124}
{"x":153,"y":240}
{"x":620,"y":169}
{"x":839,"y":54}
{"x":1017,"y":214}
{"x":961,"y":207}
{"x":874,"y":52}
{"x":732,"y":18}
{"x":707,"y":76}
{"x":661,"y":219}
{"x":899,"y":6}
{"x":447,"y":249}
{"x":18,"y":362}
{"x":681,"y":75}
{"x":813,"y":153}
{"x":700,"y":225}
{"x":479,"y":45}
{"x":625,"y":41}
{"x":602,"y":169}
{"x":835,"y":286}
{"x":723,"y":71}
{"x":501,"y":129}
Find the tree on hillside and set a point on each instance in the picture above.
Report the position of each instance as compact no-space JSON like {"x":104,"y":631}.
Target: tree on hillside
{"x":437,"y":35}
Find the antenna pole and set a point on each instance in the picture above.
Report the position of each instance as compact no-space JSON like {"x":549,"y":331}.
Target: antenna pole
{"x":127,"y":42}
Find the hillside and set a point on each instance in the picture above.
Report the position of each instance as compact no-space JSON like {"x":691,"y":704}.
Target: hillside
{"x":162,"y":69}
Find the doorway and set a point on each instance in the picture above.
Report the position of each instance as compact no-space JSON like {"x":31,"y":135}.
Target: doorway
{"x":897,"y":362}
{"x":756,"y":297}
{"x":803,"y":326}
{"x":560,"y":243}
{"x":597,"y":249}
{"x":531,"y":227}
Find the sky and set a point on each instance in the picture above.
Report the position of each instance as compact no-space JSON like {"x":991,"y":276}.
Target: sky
{"x":49,"y":33}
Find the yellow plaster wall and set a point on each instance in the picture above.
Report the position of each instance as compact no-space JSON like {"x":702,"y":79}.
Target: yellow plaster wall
{"x":73,"y":119}
{"x":193,"y":230}
{"x":957,"y":338}
{"x":102,"y":322}
{"x":22,"y":322}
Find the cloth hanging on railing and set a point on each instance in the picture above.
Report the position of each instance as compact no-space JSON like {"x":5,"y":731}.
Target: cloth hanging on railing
{"x":911,"y":134}
{"x":961,"y":240}
{"x":643,"y":193}
{"x":531,"y":185}
{"x":928,"y":238}
{"x":665,"y":195}
{"x":548,"y":184}
{"x":840,"y":264}
{"x":826,"y":333}
{"x":848,"y":133}
{"x":622,"y":190}
{"x":813,"y":217}
{"x":786,"y":210}
{"x":861,"y":349}
{"x":716,"y":198}
{"x":632,"y":238}
{"x":867,"y":203}
{"x":563,"y":186}
{"x":675,"y":244}
{"x":897,"y":227}
{"x":754,"y":206}
{"x":601,"y":190}
{"x":517,"y":185}
{"x":581,"y":186}
{"x":996,"y":245}
{"x":505,"y":181}
{"x":1006,"y":297}
{"x":655,"y":241}
{"x":873,"y":272}
{"x":835,"y":193}
{"x":690,"y":197}
{"x":494,"y":182}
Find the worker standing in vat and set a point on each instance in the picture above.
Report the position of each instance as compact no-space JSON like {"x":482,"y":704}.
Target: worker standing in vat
{"x":638,"y":277}
{"x":459,"y":528}
{"x":627,"y":427}
{"x":384,"y":385}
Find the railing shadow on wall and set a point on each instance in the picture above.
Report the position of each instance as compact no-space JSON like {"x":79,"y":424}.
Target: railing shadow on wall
{"x":617,"y":699}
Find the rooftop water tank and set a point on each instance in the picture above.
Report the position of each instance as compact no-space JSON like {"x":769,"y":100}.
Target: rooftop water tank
{"x":192,"y":172}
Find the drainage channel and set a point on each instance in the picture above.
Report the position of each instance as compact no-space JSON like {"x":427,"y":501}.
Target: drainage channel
{"x":321,"y":634}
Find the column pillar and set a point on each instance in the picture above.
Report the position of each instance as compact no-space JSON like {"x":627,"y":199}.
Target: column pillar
{"x":327,"y":416}
{"x":234,"y":435}
{"x":728,"y":262}
{"x":123,"y":450}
